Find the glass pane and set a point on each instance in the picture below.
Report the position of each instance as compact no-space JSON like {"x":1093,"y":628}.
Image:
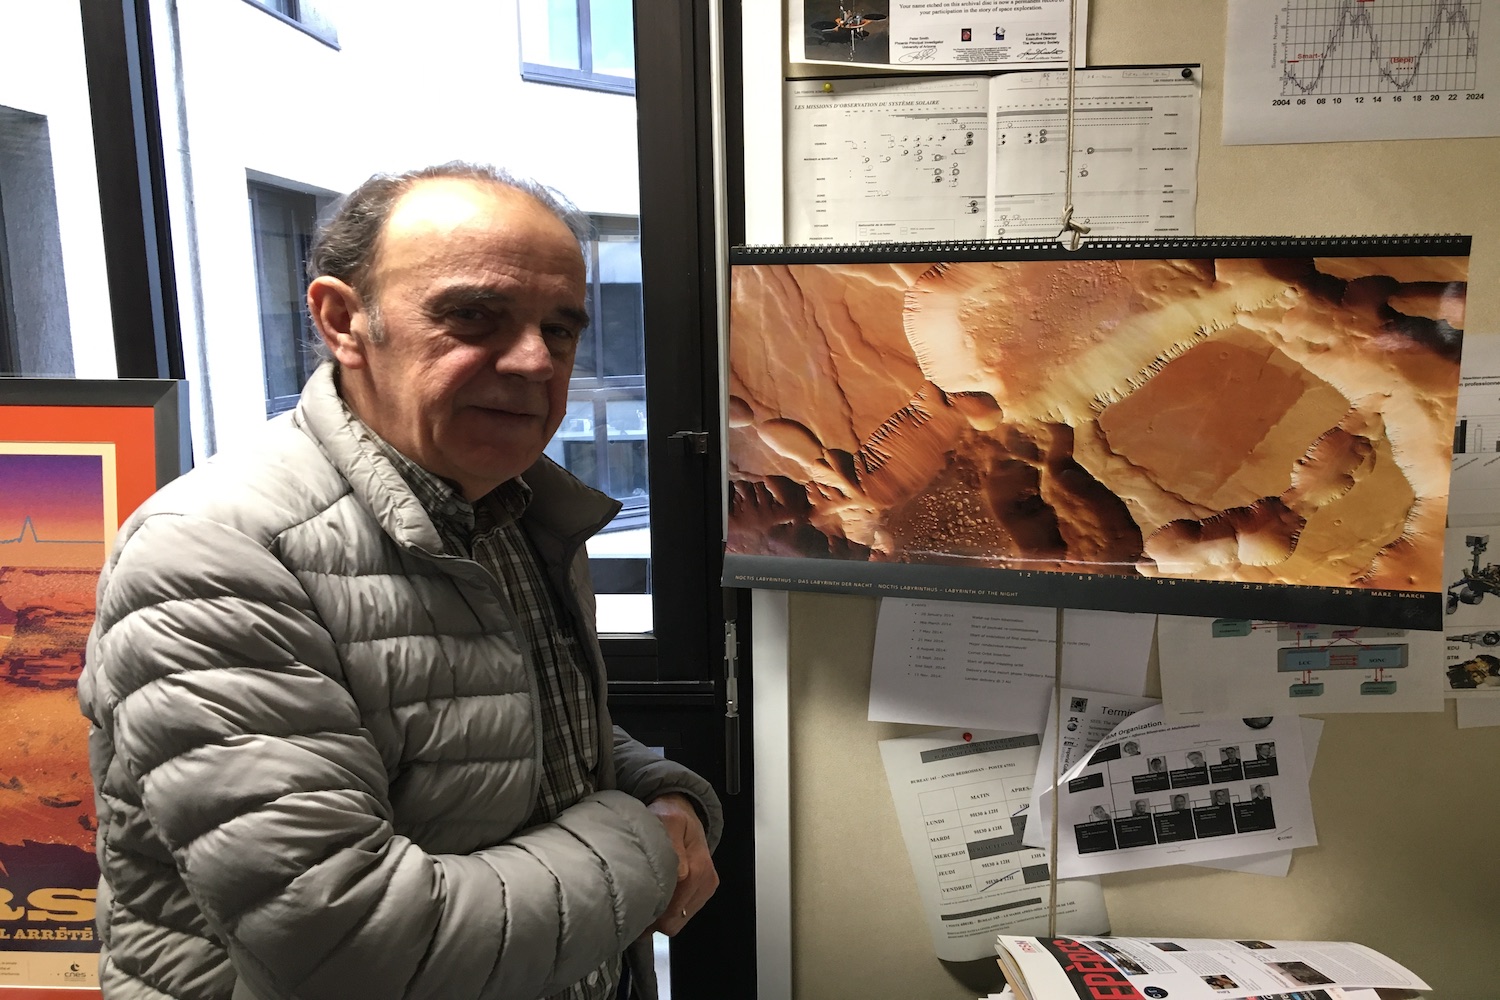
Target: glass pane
{"x":281,"y":220}
{"x":612,"y":35}
{"x":621,"y":326}
{"x":549,"y":33}
{"x":230,"y":131}
{"x":626,"y":426}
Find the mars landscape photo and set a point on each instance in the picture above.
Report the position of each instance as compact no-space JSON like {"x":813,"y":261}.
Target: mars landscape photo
{"x":1258,"y":420}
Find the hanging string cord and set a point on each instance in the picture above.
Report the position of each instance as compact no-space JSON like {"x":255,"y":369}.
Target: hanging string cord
{"x":1056,"y":768}
{"x":1074,"y":230}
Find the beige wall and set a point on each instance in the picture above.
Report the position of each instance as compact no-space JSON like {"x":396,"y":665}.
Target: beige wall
{"x":1407,"y":806}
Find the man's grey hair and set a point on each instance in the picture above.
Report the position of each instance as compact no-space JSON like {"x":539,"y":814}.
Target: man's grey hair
{"x":347,"y":242}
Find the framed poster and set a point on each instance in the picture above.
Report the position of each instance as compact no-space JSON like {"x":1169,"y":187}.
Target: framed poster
{"x":1256,"y":428}
{"x":76,"y":458}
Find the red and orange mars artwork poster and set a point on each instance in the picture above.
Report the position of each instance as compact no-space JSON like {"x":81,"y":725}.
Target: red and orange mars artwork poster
{"x":1260,"y":429}
{"x":58,"y":515}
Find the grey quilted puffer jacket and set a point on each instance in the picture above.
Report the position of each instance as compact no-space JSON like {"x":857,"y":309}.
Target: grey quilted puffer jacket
{"x":315,"y":743}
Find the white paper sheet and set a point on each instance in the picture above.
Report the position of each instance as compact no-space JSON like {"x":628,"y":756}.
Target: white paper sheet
{"x":1321,"y":71}
{"x":950,"y":663}
{"x":1473,"y":713}
{"x":1135,"y":152}
{"x":1195,"y":792}
{"x":1277,"y":863}
{"x":1474,"y":492}
{"x":887,"y":160}
{"x":1471,"y":632}
{"x":962,"y":808}
{"x":909,"y":159}
{"x":928,"y":35}
{"x":1240,"y":666}
{"x":1089,"y":718}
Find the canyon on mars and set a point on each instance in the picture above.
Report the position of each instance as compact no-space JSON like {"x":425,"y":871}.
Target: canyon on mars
{"x":1262,"y":420}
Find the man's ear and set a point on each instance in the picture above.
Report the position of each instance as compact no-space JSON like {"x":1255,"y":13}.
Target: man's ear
{"x":338,"y":311}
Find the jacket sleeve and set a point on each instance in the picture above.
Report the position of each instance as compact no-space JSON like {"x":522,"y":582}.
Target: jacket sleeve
{"x":645,"y":774}
{"x":221,"y":698}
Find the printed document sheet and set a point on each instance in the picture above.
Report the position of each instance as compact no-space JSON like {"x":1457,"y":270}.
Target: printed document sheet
{"x":952,"y":663}
{"x":1156,"y":793}
{"x":893,"y":160}
{"x":1471,"y":633}
{"x":961,"y":800}
{"x":1135,"y":152}
{"x":1474,"y":492}
{"x":1240,"y":666}
{"x":930,"y":35}
{"x":902,"y":159}
{"x":1089,"y":717}
{"x":1340,"y":70}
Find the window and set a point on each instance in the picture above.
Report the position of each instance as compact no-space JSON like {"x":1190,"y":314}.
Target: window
{"x":283,"y":222}
{"x":304,"y":14}
{"x":602,"y":439}
{"x":651,"y":266}
{"x":579,"y":43}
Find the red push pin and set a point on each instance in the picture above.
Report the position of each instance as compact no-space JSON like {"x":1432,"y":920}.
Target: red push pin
{"x":968,"y":737}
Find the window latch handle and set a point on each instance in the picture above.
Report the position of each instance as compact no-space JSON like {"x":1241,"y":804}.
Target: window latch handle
{"x":695,"y":441}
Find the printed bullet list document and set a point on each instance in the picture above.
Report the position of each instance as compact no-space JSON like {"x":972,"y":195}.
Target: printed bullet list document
{"x":953,"y":663}
{"x":961,"y":798}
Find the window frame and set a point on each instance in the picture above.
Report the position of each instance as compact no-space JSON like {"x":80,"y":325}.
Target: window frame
{"x":10,"y":347}
{"x":584,"y":77}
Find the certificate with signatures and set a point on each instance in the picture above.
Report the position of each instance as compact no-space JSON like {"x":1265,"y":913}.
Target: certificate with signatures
{"x":937,"y":34}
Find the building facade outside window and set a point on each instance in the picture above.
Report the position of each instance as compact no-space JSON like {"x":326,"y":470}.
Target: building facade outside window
{"x":579,"y":43}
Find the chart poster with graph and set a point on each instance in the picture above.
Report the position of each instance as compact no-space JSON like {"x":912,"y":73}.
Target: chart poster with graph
{"x":1339,"y":70}
{"x":1241,"y":427}
{"x":69,"y":474}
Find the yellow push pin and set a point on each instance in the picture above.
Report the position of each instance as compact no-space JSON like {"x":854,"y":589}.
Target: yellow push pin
{"x":827,"y":86}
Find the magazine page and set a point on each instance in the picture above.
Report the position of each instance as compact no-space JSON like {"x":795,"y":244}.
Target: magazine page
{"x":1194,"y":968}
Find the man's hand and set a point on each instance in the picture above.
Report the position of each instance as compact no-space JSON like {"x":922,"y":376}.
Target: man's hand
{"x":696,"y":877}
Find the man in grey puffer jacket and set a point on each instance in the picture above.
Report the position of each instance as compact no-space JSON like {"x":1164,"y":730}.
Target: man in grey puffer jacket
{"x":349,"y":727}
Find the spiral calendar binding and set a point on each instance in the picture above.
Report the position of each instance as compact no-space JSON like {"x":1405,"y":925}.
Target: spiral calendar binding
{"x":1120,"y":247}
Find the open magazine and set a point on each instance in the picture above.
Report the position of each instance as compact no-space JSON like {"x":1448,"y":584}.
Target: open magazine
{"x":1092,"y":968}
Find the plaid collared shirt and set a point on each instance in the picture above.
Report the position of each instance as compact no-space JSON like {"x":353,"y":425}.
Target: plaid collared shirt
{"x":489,"y":532}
